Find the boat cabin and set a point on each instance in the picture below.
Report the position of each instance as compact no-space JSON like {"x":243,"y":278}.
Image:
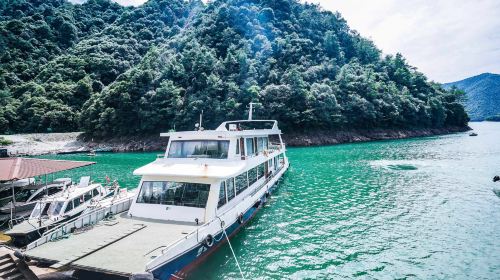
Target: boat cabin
{"x":69,"y":203}
{"x":203,"y":172}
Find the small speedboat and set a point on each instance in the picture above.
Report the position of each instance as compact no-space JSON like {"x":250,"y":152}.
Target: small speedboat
{"x":473,"y":134}
{"x":55,"y":209}
{"x":28,"y":195}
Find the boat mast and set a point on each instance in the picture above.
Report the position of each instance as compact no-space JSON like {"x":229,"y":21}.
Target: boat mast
{"x":250,"y":112}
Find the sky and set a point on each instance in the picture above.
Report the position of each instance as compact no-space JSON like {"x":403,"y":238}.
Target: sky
{"x":448,"y":40}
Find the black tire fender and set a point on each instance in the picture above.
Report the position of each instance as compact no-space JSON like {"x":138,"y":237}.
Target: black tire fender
{"x":208,"y":241}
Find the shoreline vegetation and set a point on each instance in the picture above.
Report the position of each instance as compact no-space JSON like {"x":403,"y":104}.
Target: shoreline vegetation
{"x":51,"y":143}
{"x":114,"y":71}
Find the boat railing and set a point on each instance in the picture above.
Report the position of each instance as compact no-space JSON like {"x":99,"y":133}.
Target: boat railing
{"x":89,"y":219}
{"x":275,"y":146}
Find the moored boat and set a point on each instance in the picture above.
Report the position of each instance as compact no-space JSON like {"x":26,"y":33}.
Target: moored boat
{"x":206,"y":187}
{"x":26,"y":196}
{"x":55,"y":209}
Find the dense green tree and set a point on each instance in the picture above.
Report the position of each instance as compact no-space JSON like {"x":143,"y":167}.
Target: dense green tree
{"x":112,"y":70}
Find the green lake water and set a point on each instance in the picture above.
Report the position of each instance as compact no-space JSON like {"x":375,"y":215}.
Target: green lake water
{"x":404,"y":209}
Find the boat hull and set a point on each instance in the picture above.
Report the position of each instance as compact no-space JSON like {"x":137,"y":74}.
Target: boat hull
{"x":182,"y":265}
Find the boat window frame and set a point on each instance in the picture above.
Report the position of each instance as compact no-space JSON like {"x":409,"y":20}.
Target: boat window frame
{"x":222,"y":148}
{"x":251,"y":173}
{"x":70,"y":203}
{"x":244,"y":176}
{"x":249,"y":143}
{"x":233,"y":188}
{"x":162,"y":199}
{"x":222,"y":199}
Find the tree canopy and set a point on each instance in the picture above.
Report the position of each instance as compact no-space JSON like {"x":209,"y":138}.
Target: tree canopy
{"x":112,"y":70}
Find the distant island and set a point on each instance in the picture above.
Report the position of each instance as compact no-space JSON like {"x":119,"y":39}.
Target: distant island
{"x":482,"y":100}
{"x":114,"y":71}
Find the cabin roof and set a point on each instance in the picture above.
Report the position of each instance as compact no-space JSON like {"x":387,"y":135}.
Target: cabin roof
{"x":240,"y":128}
{"x":71,"y":193}
{"x":189,"y":168}
{"x":21,"y":168}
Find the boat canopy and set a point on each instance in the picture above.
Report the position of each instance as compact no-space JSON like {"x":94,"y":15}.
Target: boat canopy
{"x":188,"y":169}
{"x":12,"y":169}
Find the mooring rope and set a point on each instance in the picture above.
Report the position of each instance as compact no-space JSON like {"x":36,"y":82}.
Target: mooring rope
{"x":231,"y":247}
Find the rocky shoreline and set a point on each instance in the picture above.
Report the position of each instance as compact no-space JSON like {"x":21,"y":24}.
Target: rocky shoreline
{"x":318,"y":138}
{"x":311,"y":138}
{"x":40,"y":143}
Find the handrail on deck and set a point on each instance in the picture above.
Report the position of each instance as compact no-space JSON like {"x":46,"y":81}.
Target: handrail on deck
{"x":90,"y":218}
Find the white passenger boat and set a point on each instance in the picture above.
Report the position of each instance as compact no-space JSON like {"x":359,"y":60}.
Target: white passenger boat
{"x":57,"y":208}
{"x":204,"y":189}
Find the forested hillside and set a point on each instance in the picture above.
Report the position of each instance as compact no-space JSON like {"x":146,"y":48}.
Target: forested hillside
{"x":482,"y":100}
{"x":110,"y":70}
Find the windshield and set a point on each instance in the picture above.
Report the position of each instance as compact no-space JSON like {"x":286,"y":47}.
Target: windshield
{"x":198,"y":149}
{"x":174,"y":193}
{"x":37,"y":210}
{"x":55,"y":208}
{"x":24,"y":194}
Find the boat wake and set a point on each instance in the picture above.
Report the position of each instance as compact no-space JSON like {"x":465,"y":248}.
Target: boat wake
{"x":404,"y":165}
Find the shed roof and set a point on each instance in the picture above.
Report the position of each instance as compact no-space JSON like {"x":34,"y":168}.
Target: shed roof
{"x":21,"y":168}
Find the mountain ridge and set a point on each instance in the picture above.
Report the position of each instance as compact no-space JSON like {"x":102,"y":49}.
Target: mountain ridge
{"x":482,"y":95}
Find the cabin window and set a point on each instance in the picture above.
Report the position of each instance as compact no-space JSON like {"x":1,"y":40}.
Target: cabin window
{"x":23,"y":194}
{"x":54,"y":190}
{"x":241,"y":182}
{"x":222,"y":194}
{"x":261,"y":170}
{"x":55,"y":208}
{"x":37,"y":210}
{"x":198,"y":149}
{"x":255,"y":146}
{"x":87,"y":196}
{"x":174,"y":193}
{"x":230,"y":189}
{"x":69,"y":207}
{"x":260,"y":144}
{"x":252,"y":176}
{"x":250,"y":147}
{"x":275,"y":163}
{"x":95,"y":192}
{"x":266,"y":143}
{"x":76,"y":202}
{"x":237,"y":146}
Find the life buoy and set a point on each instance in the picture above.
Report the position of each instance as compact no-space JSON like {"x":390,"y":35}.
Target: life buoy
{"x":209,"y":240}
{"x":240,"y":218}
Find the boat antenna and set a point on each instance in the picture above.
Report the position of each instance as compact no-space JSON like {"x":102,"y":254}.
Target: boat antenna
{"x":197,"y":125}
{"x":250,"y":112}
{"x":201,"y":120}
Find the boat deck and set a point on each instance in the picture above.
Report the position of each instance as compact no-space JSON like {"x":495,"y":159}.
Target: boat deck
{"x":130,"y":242}
{"x":28,"y":226}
